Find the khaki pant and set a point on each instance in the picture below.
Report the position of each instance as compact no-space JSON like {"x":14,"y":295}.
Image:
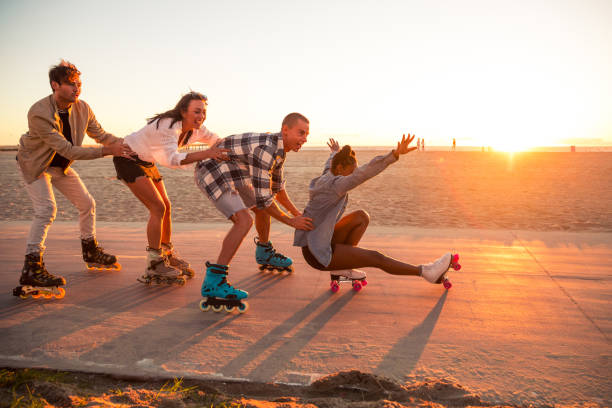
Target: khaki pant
{"x":45,"y":208}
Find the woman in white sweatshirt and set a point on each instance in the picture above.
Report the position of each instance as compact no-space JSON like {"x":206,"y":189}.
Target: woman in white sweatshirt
{"x":333,"y":243}
{"x":159,"y":142}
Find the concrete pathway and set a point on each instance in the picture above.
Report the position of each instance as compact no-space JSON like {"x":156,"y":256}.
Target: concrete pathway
{"x":528,"y":319}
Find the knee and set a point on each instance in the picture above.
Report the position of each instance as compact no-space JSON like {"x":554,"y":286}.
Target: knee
{"x":46,"y":213}
{"x":168,"y":206}
{"x":89,"y":205}
{"x":158,"y":209}
{"x":243,"y":220}
{"x":363,"y":217}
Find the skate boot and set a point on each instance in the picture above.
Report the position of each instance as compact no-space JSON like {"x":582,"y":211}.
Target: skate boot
{"x":435,"y":272}
{"x":355,"y":276}
{"x":159,"y":270}
{"x":218,"y":293}
{"x":36,"y":281}
{"x":95,"y":257}
{"x":270,"y":260}
{"x":176,"y":262}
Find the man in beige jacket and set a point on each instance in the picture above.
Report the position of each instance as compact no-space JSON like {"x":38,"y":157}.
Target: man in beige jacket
{"x":57,"y":126}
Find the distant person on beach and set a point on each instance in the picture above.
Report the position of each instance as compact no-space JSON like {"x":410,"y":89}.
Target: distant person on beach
{"x":454,"y":144}
{"x":56,"y":128}
{"x":418,"y":146}
{"x":252,"y":180}
{"x":158,"y":142}
{"x":423,"y":144}
{"x":332,"y":244}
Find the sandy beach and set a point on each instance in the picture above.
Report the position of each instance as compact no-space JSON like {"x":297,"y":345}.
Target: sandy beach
{"x":527,"y":191}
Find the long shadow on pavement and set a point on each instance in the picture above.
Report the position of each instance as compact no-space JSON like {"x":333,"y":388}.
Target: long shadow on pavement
{"x":281,"y":357}
{"x":404,"y":355}
{"x":166,"y":337}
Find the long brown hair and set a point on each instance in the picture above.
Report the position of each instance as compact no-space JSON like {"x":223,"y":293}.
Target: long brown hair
{"x":180,"y":107}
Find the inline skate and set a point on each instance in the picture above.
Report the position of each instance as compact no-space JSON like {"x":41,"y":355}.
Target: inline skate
{"x":218,"y":293}
{"x":271,"y":261}
{"x":37,"y":282}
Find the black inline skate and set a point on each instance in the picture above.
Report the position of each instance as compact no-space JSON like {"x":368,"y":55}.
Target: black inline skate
{"x":95,"y":257}
{"x":37,"y":282}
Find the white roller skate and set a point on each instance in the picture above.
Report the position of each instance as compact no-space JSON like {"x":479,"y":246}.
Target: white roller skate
{"x":435,"y":272}
{"x":159,"y":270}
{"x":355,"y":276}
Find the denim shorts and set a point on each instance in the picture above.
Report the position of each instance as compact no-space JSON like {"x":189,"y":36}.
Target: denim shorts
{"x":129,"y":170}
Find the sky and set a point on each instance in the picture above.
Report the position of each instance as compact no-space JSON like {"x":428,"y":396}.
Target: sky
{"x":506,"y":74}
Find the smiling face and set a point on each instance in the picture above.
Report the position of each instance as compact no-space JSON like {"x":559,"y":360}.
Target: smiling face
{"x":295,"y":136}
{"x":195,"y":114}
{"x":67,"y":92}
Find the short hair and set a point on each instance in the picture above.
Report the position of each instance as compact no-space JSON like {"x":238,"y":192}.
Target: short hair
{"x":344,"y":157}
{"x":291,"y":119}
{"x":62,"y":72}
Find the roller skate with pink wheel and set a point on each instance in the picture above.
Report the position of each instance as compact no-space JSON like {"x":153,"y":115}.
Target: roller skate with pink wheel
{"x":355,"y":276}
{"x":37,"y":282}
{"x":436,"y":272}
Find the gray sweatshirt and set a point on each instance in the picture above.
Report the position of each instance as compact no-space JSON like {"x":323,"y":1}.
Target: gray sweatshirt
{"x":328,"y":199}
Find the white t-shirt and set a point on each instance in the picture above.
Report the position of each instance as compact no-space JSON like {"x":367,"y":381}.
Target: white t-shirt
{"x":159,"y":144}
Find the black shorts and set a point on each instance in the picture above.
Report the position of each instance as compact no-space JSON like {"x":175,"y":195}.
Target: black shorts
{"x":312,"y":261}
{"x":129,"y":170}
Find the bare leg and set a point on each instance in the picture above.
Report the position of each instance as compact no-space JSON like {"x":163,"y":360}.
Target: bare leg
{"x":347,"y":255}
{"x":350,"y":229}
{"x":350,"y":257}
{"x":144,"y":189}
{"x":166,"y":232}
{"x":262,"y":225}
{"x":242,"y":224}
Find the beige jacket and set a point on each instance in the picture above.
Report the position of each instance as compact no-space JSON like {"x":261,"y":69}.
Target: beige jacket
{"x":44,"y":138}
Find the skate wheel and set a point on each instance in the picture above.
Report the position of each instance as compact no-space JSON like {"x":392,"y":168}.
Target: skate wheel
{"x":217,"y":308}
{"x":243,"y":307}
{"x":36,"y":295}
{"x":455,"y":258}
{"x":61,"y":293}
{"x":356,"y":286}
{"x":228,"y":308}
{"x":447,"y":284}
{"x":48,"y":295}
{"x":23,"y":296}
{"x":335,"y":287}
{"x":364,"y":282}
{"x":182,"y":281}
{"x":456,"y":267}
{"x":203,"y":306}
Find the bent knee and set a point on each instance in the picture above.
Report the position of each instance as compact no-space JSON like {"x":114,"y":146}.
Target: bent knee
{"x":243,"y":219}
{"x":46,"y":213}
{"x":362,"y":216}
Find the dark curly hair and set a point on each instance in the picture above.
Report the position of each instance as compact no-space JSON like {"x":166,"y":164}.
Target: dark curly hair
{"x":181,"y":106}
{"x":63,"y":72}
{"x":346,"y":156}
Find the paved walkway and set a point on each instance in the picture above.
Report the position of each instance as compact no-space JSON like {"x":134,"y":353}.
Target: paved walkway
{"x":529,"y":317}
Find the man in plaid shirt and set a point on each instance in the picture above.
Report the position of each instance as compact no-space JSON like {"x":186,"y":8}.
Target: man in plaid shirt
{"x":253,"y":179}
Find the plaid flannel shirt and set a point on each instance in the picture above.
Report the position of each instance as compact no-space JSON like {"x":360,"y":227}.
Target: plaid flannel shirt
{"x":256,"y":159}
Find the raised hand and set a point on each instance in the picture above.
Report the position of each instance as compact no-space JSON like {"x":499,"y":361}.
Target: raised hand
{"x":403,"y":146}
{"x":333,"y":144}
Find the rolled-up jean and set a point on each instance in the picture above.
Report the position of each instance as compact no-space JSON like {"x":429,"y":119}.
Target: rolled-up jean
{"x":45,"y":208}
